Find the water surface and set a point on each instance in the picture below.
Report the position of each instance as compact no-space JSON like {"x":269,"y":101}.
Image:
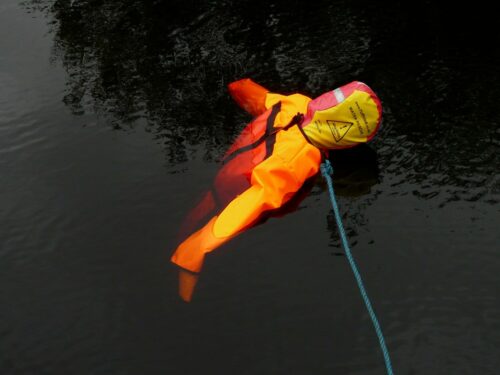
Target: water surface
{"x":113,"y":115}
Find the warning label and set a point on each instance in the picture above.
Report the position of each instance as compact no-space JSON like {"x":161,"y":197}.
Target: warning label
{"x":339,"y":128}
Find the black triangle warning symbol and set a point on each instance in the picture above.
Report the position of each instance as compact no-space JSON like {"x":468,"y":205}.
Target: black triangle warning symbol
{"x":339,"y":128}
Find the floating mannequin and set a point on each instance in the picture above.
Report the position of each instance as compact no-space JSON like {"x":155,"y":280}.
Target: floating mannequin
{"x":271,"y":159}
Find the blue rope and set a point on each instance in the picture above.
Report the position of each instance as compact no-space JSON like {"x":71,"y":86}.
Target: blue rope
{"x":327,"y":171}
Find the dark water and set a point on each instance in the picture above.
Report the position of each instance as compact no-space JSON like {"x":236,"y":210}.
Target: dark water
{"x":113,"y":115}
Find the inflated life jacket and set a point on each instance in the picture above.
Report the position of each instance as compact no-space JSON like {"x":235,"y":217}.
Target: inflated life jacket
{"x":254,"y":144}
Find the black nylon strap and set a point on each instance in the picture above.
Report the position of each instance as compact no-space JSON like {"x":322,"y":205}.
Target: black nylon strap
{"x":265,"y":137}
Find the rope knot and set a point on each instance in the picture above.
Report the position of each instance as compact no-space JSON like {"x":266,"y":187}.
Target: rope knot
{"x":326,"y":168}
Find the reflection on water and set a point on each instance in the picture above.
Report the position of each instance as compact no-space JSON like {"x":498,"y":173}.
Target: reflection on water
{"x":170,"y":62}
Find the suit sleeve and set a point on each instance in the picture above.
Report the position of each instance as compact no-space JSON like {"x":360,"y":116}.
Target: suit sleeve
{"x":249,"y":95}
{"x":273,"y":183}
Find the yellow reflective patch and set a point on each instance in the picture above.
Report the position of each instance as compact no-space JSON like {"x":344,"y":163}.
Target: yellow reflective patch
{"x":346,"y":124}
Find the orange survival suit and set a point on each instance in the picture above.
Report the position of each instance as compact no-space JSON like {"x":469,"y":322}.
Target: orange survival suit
{"x":274,"y":155}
